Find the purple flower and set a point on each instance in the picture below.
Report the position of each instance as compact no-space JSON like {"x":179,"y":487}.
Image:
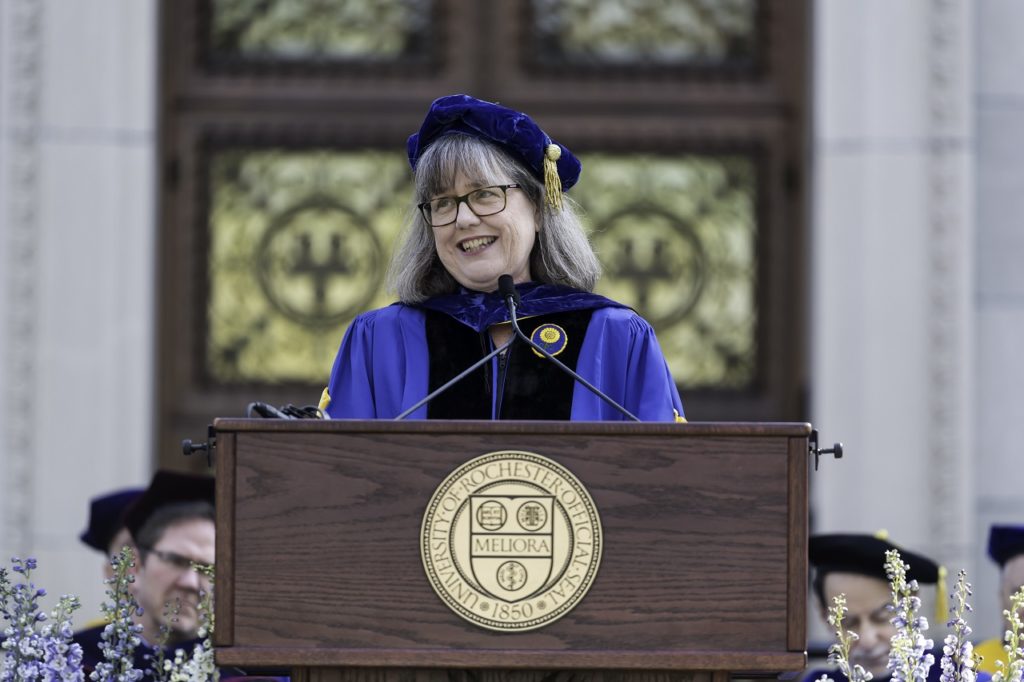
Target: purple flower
{"x":120,"y":637}
{"x":32,"y":649}
{"x":957,"y":651}
{"x":909,"y":660}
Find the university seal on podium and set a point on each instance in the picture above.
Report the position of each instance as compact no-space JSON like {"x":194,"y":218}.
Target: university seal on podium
{"x":511,"y":541}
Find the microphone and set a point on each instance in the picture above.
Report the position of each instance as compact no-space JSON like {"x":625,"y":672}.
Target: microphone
{"x":507,"y":290}
{"x":456,"y":379}
{"x":258,"y":409}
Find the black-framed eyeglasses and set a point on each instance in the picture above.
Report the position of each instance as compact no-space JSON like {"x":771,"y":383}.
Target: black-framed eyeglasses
{"x":483,"y":202}
{"x":175,"y":560}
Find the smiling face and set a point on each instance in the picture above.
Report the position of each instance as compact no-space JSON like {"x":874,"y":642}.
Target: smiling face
{"x":477,"y":251}
{"x":866,"y":599}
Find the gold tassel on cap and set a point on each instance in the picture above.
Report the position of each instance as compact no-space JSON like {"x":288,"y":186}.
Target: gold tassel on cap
{"x":552,"y":183}
{"x":941,"y":597}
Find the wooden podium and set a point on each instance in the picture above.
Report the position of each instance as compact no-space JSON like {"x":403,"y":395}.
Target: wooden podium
{"x":703,"y":574}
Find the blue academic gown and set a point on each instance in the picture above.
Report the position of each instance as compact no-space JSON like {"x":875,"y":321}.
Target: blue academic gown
{"x":384,"y":366}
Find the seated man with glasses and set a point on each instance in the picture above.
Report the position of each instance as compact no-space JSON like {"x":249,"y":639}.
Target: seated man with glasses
{"x":489,"y":201}
{"x":852,"y":565}
{"x":171,"y":526}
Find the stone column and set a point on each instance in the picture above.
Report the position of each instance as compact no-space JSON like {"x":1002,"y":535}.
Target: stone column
{"x":892,"y":243}
{"x":77,"y":205}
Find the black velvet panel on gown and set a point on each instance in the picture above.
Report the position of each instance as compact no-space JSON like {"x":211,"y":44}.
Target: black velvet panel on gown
{"x":534,"y":387}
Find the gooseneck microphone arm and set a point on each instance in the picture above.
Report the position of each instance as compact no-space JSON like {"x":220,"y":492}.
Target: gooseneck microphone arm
{"x":507,"y":289}
{"x":456,"y":379}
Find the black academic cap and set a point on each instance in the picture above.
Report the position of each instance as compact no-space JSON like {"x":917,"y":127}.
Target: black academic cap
{"x":1005,"y":542}
{"x":166,"y":488}
{"x":106,"y":517}
{"x":865,"y":555}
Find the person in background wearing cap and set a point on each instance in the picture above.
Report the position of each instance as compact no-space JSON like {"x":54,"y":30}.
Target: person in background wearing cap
{"x":489,"y":201}
{"x":1006,"y":548}
{"x":171,"y":524}
{"x":854,"y":565}
{"x":106,"y":531}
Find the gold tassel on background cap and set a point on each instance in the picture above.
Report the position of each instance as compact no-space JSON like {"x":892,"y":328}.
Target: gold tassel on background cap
{"x":941,"y":597}
{"x":552,"y":183}
{"x":882,"y":534}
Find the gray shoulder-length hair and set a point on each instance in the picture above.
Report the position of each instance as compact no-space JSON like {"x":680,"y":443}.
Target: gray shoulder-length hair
{"x":561,"y":254}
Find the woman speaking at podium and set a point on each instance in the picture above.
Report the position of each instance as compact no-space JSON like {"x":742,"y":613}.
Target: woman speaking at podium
{"x":489,"y":201}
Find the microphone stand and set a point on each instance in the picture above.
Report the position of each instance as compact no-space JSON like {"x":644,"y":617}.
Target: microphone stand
{"x":459,"y":377}
{"x":507,"y":289}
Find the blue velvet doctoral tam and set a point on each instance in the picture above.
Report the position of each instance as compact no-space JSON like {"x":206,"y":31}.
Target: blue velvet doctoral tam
{"x":391,"y":358}
{"x":513,"y":131}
